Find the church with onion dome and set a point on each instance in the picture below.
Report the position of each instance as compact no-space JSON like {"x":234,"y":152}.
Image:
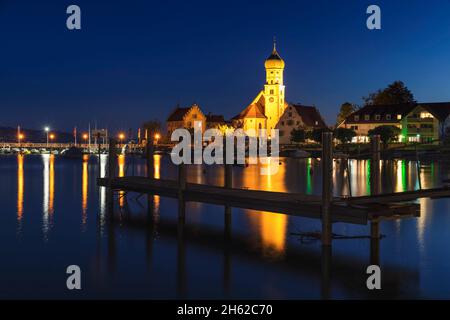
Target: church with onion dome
{"x":269,"y":110}
{"x":266,"y":109}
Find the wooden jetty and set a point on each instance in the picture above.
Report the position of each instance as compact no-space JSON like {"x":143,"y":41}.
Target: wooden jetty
{"x":280,"y":202}
{"x":356,"y":210}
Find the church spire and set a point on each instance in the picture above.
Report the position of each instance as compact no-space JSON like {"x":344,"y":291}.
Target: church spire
{"x":274,"y":44}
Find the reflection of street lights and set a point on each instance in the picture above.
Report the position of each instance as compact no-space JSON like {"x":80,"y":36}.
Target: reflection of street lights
{"x":47,"y":129}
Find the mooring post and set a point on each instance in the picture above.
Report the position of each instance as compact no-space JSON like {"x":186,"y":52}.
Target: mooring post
{"x":228,"y":176}
{"x":228,"y":167}
{"x":327,"y":187}
{"x":99,"y":154}
{"x":181,"y":190}
{"x":112,"y":162}
{"x":375,"y":181}
{"x":375,"y":242}
{"x":228,"y":183}
{"x":149,"y":148}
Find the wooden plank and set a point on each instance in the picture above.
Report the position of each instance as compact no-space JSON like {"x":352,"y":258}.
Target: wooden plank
{"x":397,"y":197}
{"x":278,"y":202}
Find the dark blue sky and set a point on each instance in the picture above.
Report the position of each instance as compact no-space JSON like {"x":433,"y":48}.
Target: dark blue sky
{"x":135,"y":60}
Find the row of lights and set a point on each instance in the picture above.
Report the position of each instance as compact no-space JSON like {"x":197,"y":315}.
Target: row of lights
{"x":85,"y":136}
{"x":50,"y":136}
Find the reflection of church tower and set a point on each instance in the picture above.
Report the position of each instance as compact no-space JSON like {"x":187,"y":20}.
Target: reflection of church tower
{"x":274,"y":91}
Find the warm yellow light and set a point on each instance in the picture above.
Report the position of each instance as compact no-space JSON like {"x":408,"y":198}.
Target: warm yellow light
{"x":21,"y":136}
{"x":52,"y":136}
{"x":121,"y":136}
{"x":157,"y":136}
{"x":85,"y":136}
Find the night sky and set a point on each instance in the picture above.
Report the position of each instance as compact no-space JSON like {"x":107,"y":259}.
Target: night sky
{"x":136,"y":60}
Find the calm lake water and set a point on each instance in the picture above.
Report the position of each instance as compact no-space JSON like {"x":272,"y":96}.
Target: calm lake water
{"x":53,"y":216}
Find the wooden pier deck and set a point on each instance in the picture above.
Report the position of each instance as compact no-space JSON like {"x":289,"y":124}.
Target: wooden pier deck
{"x":294,"y":204}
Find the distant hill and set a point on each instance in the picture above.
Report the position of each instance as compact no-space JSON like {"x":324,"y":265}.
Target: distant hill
{"x":8,"y":134}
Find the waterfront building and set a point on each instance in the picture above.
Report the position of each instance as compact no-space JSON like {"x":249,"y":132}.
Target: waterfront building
{"x":214,"y":120}
{"x":297,"y":116}
{"x":185,"y":118}
{"x":418,"y":122}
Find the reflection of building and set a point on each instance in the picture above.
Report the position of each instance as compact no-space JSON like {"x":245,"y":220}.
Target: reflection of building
{"x":185,"y":118}
{"x":419,"y":122}
{"x":297,"y":116}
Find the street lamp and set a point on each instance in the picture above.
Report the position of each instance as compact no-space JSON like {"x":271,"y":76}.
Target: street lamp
{"x":20,"y":137}
{"x":47,"y":129}
{"x":157,"y":136}
{"x":121,"y":137}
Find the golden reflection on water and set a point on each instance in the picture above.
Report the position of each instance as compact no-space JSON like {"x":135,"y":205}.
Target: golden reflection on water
{"x":157,"y":166}
{"x":272,"y":227}
{"x":20,"y":190}
{"x":84,"y":191}
{"x":121,"y":161}
{"x":49,"y":192}
{"x":157,"y":175}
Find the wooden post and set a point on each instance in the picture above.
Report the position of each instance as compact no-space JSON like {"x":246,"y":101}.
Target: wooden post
{"x":228,"y":167}
{"x":181,"y":190}
{"x":112,"y":158}
{"x":228,"y":183}
{"x":228,"y":176}
{"x":149,"y":148}
{"x":99,"y":155}
{"x":375,"y":182}
{"x":327,"y":187}
{"x":112,"y":162}
{"x":375,"y":242}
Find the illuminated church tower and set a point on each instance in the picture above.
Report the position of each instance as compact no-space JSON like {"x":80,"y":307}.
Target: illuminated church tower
{"x":274,"y":90}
